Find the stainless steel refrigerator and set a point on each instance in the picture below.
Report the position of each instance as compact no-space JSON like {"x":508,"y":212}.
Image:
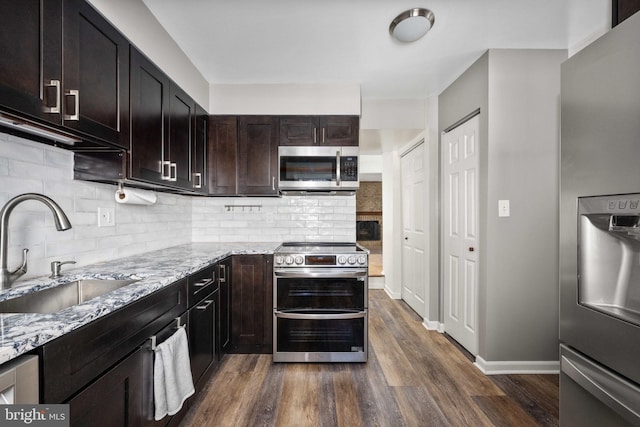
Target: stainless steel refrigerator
{"x":600,"y":231}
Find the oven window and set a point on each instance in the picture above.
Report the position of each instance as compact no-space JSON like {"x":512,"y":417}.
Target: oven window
{"x":320,"y":293}
{"x":300,"y":168}
{"x":311,"y":335}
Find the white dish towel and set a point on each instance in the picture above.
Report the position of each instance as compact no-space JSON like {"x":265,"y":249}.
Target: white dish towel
{"x":172,"y":381}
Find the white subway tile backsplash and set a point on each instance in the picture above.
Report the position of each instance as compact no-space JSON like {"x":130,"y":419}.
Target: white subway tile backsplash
{"x":33,"y":167}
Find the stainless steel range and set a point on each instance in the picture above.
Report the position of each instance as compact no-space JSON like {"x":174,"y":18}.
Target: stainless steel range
{"x":320,"y":302}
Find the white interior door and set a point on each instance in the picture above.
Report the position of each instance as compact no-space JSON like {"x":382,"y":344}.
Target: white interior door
{"x":460,"y":234}
{"x":414,"y":260}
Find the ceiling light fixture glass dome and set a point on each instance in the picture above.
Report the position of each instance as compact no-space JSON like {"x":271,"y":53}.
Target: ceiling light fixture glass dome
{"x":412,"y":24}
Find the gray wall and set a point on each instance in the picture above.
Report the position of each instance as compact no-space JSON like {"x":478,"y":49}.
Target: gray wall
{"x":517,"y":92}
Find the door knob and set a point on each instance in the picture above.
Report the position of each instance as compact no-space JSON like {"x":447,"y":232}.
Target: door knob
{"x":406,"y":238}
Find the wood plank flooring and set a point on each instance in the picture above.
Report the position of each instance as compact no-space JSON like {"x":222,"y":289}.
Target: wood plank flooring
{"x":414,"y":377}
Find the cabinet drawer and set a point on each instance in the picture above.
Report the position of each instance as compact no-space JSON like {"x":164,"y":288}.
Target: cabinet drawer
{"x":75,"y":359}
{"x":201,"y":284}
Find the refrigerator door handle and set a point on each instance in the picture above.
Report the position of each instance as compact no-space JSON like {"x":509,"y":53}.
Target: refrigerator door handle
{"x":612,"y":390}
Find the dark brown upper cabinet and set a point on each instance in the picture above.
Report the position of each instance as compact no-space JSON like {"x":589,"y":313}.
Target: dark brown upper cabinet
{"x":319,"y":130}
{"x":222,"y":155}
{"x":243,"y":155}
{"x":31,"y":59}
{"x":162,"y":127}
{"x":179,"y":145}
{"x":258,"y":155}
{"x":149,"y":120}
{"x":200,"y":181}
{"x":62,"y":63}
{"x":95,"y":93}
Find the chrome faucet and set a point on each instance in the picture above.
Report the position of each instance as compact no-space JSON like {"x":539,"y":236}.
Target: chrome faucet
{"x":62,"y":223}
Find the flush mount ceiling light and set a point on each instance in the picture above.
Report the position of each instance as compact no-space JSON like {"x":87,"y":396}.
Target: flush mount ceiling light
{"x":412,"y":24}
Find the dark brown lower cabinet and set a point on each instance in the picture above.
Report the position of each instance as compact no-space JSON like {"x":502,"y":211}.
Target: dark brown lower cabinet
{"x":115,"y":399}
{"x":251,"y":304}
{"x":224,"y":280}
{"x":202,"y":335}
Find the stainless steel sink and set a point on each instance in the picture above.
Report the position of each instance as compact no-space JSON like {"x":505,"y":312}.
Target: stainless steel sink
{"x":62,"y":296}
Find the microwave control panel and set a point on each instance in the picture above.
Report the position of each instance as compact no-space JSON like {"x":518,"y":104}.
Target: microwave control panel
{"x":349,"y":168}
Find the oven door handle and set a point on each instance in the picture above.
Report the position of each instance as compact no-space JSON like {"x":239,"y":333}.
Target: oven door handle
{"x":325,"y":316}
{"x":331,"y":273}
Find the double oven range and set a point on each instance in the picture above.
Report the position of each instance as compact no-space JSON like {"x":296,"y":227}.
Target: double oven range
{"x":320,"y":302}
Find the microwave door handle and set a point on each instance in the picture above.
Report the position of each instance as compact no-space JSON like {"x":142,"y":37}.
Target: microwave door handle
{"x":338,"y":168}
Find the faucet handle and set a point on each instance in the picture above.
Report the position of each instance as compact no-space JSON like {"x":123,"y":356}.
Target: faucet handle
{"x":23,"y":268}
{"x":55,"y":268}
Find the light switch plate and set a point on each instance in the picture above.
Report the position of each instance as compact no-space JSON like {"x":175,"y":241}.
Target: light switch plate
{"x":503,"y":208}
{"x":106,"y":217}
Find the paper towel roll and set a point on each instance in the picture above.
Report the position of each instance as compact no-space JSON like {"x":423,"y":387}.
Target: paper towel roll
{"x":135,"y":197}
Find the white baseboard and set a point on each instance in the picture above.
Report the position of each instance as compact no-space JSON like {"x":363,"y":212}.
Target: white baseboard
{"x":433,"y":325}
{"x":376,"y":282}
{"x":517,"y":367}
{"x":393,"y":295}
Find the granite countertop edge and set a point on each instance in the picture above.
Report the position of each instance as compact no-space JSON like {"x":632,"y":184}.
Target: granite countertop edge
{"x":23,"y":332}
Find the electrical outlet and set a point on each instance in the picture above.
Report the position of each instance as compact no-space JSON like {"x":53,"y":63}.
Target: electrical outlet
{"x":106,"y":217}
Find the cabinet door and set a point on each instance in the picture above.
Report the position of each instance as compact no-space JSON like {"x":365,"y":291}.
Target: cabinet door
{"x":251,"y":305}
{"x":257,"y":155}
{"x":339,"y":130}
{"x":224,"y":279}
{"x":96,"y":75}
{"x":181,"y":122}
{"x":31,"y":59}
{"x":222,"y":155}
{"x":116,"y":398}
{"x":202,"y":335}
{"x":199,"y":179}
{"x":299,"y":130}
{"x":149,"y":120}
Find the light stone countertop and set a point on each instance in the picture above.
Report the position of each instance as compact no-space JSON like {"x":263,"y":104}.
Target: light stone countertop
{"x":21,"y":333}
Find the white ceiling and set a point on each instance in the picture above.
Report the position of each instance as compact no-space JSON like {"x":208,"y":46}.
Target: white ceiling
{"x":347,"y":41}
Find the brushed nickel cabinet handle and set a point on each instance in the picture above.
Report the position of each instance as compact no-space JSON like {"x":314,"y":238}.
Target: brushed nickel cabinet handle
{"x":165,"y":170}
{"x":76,"y":113}
{"x":56,"y":108}
{"x":197,"y":175}
{"x":204,"y":307}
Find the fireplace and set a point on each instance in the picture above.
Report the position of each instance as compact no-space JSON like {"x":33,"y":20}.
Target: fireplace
{"x":368,"y":230}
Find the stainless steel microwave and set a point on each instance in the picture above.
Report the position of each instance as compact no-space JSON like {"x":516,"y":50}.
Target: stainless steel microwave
{"x":328,"y":170}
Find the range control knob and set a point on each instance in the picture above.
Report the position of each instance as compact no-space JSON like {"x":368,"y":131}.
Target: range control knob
{"x":289,"y":259}
{"x":299,"y":260}
{"x":279,"y":260}
{"x":342,"y":259}
{"x":352,"y":260}
{"x":362,"y":259}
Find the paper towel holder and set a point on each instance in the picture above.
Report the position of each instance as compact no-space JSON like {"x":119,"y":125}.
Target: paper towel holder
{"x":120,"y":190}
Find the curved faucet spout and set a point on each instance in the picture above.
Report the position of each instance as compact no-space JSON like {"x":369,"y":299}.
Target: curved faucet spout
{"x":61,"y":220}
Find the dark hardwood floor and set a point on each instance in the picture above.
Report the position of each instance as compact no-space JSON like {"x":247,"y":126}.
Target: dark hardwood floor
{"x":414,"y":377}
